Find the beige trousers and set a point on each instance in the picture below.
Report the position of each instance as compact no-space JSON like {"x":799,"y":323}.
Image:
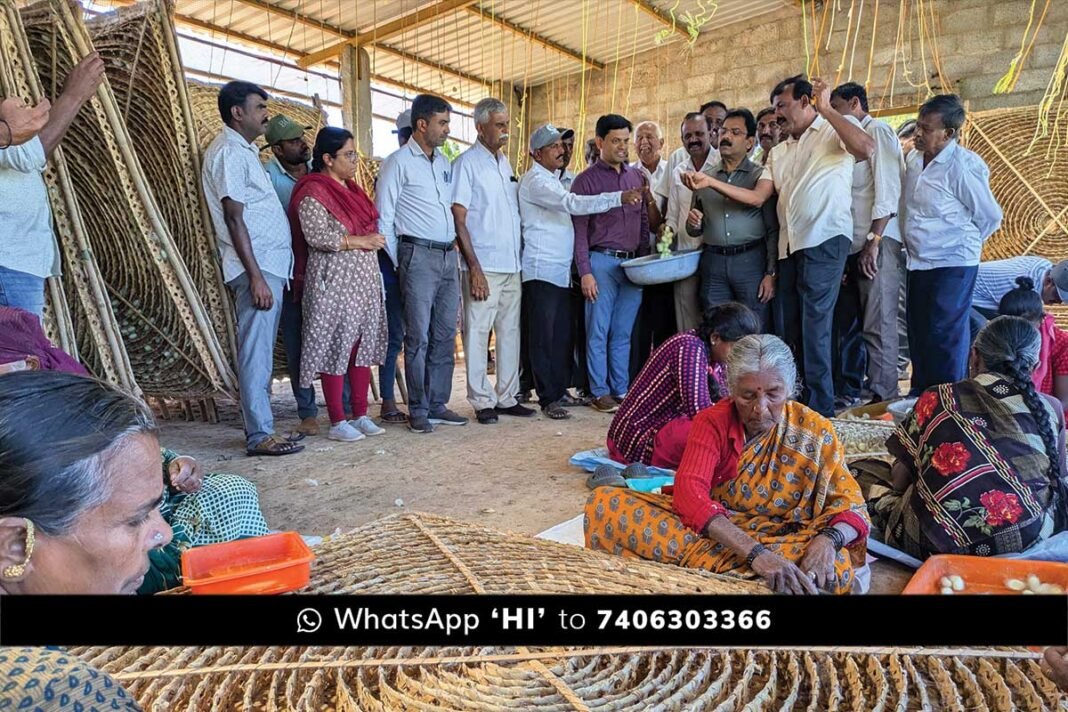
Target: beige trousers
{"x":501,"y":314}
{"x":687,"y":303}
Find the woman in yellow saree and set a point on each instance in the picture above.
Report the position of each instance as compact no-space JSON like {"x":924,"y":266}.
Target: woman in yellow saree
{"x":762,"y":490}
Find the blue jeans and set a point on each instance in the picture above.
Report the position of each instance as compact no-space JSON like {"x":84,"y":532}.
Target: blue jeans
{"x":387,"y":372}
{"x":22,"y":290}
{"x":292,"y":339}
{"x":609,"y":323}
{"x":257,"y":330}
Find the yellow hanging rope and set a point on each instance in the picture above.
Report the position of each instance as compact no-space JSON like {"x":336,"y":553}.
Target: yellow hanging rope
{"x":633,"y":62}
{"x":845,"y":45}
{"x":804,"y":34}
{"x":582,"y":84}
{"x":1055,"y":93}
{"x":1008,"y":82}
{"x":871,"y":49}
{"x":615,"y":70}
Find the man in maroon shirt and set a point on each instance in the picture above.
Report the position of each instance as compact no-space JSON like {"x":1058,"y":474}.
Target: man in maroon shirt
{"x":602,"y":243}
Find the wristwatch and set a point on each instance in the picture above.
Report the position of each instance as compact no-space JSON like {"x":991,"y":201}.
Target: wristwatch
{"x":874,"y":236}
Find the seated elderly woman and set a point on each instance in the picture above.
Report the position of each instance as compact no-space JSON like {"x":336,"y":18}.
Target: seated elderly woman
{"x":979,"y":464}
{"x":84,"y":507}
{"x":762,"y":489}
{"x":682,"y":377}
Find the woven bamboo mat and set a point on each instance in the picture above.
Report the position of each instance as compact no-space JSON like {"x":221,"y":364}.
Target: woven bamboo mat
{"x":79,"y":317}
{"x":168,"y":335}
{"x":562,"y":679}
{"x":144,"y":69}
{"x":1030,"y":183}
{"x":420,"y":553}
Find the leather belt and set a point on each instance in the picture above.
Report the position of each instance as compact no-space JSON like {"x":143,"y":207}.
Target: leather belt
{"x":432,"y":244}
{"x":619,"y":254}
{"x":733,"y":249}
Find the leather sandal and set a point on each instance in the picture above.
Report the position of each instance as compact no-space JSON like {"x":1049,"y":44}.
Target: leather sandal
{"x":555,"y":411}
{"x":395,"y":416}
{"x":273,"y":446}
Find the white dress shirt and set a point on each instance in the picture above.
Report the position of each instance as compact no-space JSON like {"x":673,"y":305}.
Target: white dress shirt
{"x":232,"y":169}
{"x":948,"y":208}
{"x":566,"y":178}
{"x":877,"y":183}
{"x":679,"y":198}
{"x":546,"y":207}
{"x":654,"y":177}
{"x":414,"y":197}
{"x":484,"y":183}
{"x":997,"y":277}
{"x":814,"y":178}
{"x":25,"y":214}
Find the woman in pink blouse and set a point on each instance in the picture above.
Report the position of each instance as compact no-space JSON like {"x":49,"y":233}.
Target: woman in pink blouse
{"x":682,"y":377}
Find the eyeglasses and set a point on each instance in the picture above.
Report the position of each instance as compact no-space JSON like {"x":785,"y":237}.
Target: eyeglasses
{"x":733,"y":132}
{"x":351,"y":155}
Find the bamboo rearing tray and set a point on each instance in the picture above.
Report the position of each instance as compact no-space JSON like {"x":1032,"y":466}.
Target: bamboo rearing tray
{"x":419,"y":553}
{"x":144,"y":68}
{"x":560,"y":679}
{"x":90,"y":331}
{"x":163,"y":323}
{"x":1031,"y":186}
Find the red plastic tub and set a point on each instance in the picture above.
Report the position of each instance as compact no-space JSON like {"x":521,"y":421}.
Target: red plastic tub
{"x":276,"y":563}
{"x":983,"y":574}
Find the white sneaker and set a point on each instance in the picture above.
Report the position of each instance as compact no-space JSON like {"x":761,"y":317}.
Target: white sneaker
{"x":366,"y":426}
{"x":345,"y":432}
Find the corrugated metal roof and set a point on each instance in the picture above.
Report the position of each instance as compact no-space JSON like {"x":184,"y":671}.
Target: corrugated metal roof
{"x":468,"y":40}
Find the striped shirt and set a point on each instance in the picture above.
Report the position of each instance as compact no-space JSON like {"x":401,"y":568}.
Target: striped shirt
{"x":673,"y":383}
{"x":995,"y":279}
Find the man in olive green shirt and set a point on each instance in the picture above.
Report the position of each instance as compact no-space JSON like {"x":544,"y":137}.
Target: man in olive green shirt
{"x":741,"y":243}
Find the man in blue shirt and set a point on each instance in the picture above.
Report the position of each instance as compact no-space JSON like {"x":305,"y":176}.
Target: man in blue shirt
{"x":290,"y":163}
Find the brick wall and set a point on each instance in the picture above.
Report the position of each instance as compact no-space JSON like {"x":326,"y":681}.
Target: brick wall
{"x":740,"y":63}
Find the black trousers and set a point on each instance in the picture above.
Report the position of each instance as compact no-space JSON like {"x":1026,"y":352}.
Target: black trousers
{"x":850,"y":351}
{"x":810,"y":291}
{"x":655,"y":324}
{"x":579,"y":379}
{"x":547,"y":309}
{"x":734,"y":278}
{"x":939,"y":305}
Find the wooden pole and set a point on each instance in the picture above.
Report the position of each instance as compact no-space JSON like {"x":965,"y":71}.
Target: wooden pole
{"x":356,"y":96}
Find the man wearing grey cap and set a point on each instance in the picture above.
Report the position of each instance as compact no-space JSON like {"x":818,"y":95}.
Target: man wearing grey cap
{"x":404,"y":127}
{"x":546,"y":208}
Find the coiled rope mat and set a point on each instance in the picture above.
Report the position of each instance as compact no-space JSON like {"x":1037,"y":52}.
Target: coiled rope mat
{"x":419,"y":553}
{"x":1031,"y":186}
{"x":166,"y":330}
{"x":79,"y":317}
{"x":144,"y":68}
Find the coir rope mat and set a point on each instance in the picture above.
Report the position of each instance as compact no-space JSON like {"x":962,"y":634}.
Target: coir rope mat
{"x":144,"y":69}
{"x":89,"y":330}
{"x":420,"y":553}
{"x":163,"y":323}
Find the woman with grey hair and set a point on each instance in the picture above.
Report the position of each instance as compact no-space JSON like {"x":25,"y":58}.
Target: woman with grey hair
{"x":84,"y":506}
{"x":979,"y":464}
{"x":762,"y":490}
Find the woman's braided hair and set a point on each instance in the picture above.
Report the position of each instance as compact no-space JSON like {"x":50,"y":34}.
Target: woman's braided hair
{"x":1010,"y":346}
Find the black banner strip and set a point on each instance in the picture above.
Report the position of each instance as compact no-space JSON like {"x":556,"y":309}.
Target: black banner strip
{"x":535,"y":620}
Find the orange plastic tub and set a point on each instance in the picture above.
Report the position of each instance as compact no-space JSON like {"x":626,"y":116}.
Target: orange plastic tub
{"x":983,"y":574}
{"x":276,"y":563}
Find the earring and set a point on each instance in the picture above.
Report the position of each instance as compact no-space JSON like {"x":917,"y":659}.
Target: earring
{"x":18,"y":570}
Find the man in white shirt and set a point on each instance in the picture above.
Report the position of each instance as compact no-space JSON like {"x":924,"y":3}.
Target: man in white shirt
{"x":716,"y":113}
{"x":256,"y":252}
{"x":485,"y":205}
{"x":546,"y":207}
{"x":656,"y":320}
{"x":997,"y":278}
{"x":949,"y":212}
{"x":29,"y":255}
{"x":812,"y":172}
{"x":674,"y":200}
{"x":768,"y":134}
{"x":413,"y":197}
{"x":866,"y":312}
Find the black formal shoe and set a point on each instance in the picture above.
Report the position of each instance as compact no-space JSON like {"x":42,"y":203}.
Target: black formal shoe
{"x":486,"y":416}
{"x":519,"y":411}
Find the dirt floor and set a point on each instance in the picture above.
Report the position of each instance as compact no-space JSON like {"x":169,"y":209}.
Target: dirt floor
{"x":513,"y":476}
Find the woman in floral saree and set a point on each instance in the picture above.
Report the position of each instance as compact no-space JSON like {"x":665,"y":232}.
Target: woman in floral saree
{"x":762,"y":489}
{"x":979,"y":463}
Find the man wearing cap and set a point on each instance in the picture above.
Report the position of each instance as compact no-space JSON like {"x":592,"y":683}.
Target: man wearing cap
{"x":404,"y":127}
{"x":289,"y":162}
{"x":413,"y":197}
{"x":485,"y":205}
{"x":255,"y":247}
{"x":546,"y":208}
